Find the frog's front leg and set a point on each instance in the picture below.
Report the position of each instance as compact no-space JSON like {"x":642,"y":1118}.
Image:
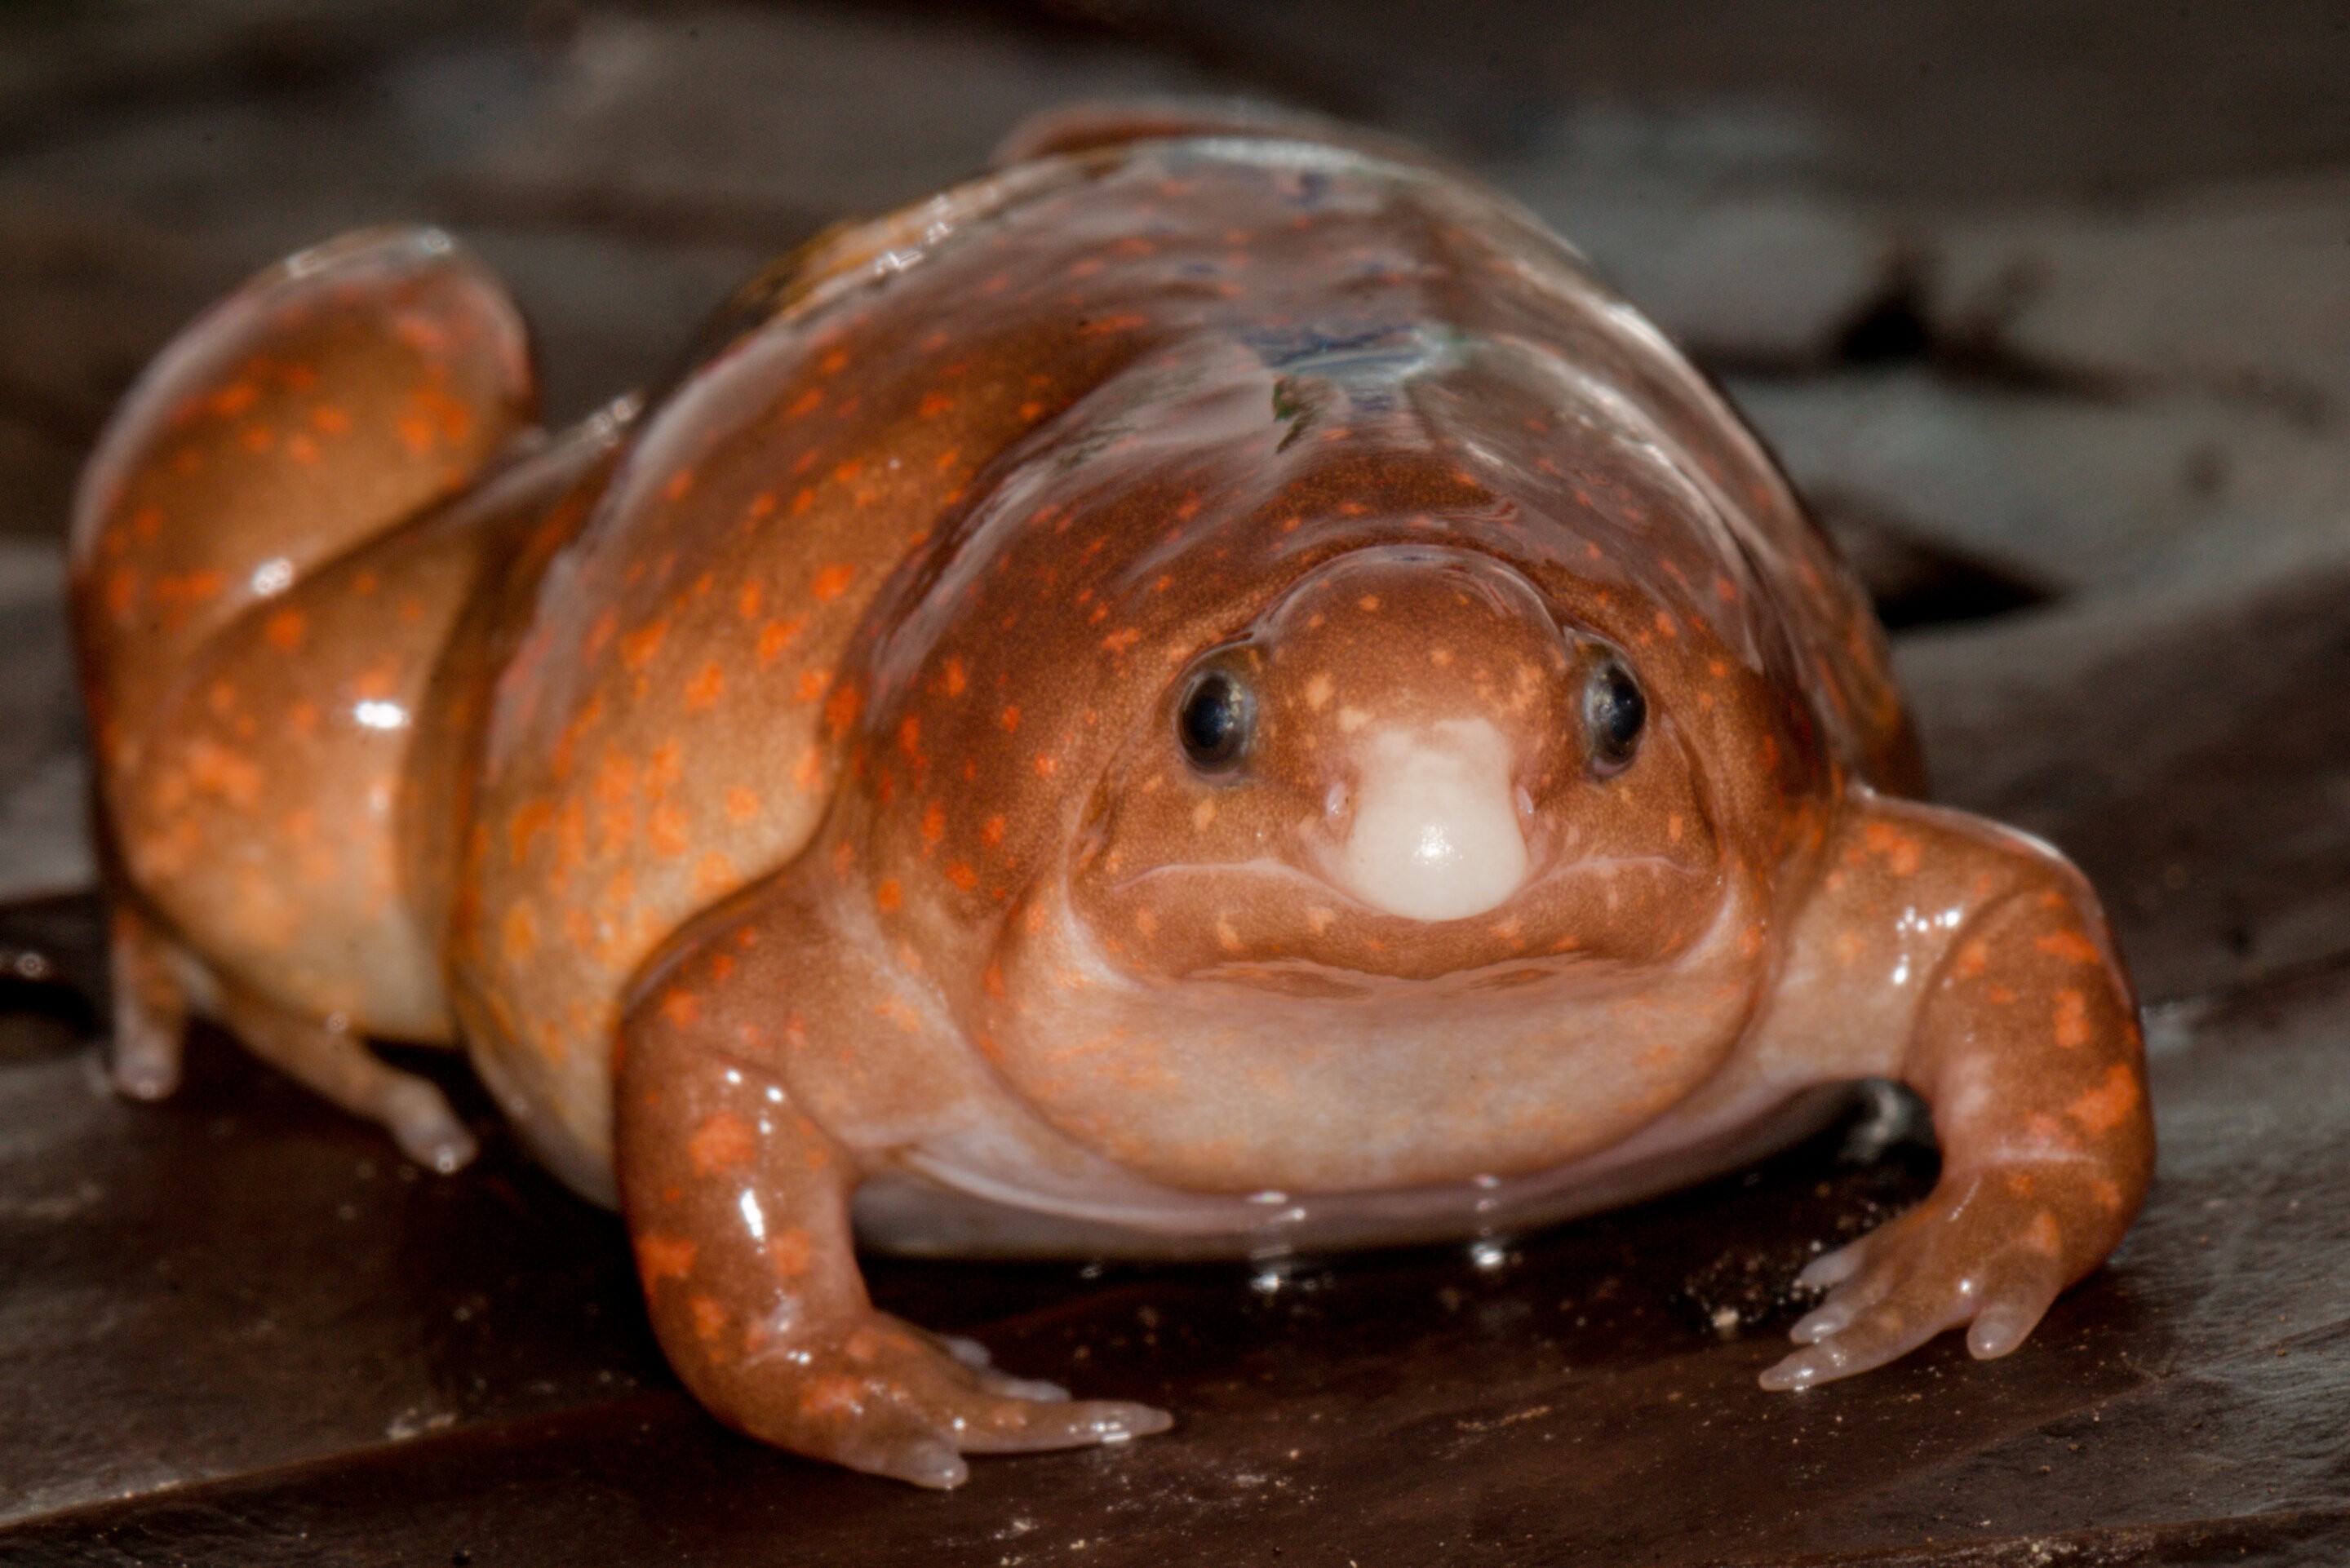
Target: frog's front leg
{"x":1972,"y":963}
{"x":738,"y":1204}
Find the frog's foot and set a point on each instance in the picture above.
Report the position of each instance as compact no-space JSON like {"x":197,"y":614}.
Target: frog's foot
{"x":1987,"y":1251}
{"x":337,"y":1065}
{"x":151,"y":1008}
{"x":890,"y":1400}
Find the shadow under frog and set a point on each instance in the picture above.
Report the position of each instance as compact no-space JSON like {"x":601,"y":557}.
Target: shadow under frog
{"x":1207,"y":693}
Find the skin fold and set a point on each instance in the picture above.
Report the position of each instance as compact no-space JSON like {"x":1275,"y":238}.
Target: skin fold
{"x":1209,"y":692}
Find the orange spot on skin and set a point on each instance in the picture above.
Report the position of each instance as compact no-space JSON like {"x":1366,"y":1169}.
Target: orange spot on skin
{"x":2109,"y":1104}
{"x":934,"y":823}
{"x":637,"y":649}
{"x":285,"y":631}
{"x":667,"y":829}
{"x":993,"y":981}
{"x":1010,"y":719}
{"x":836,"y":1394}
{"x":328,"y":419}
{"x":955,"y":680}
{"x":663,"y":1258}
{"x":1972,"y":959}
{"x":2044,"y":1237}
{"x":713,"y":874}
{"x":214,"y":770}
{"x":681,"y":1008}
{"x":679,"y":485}
{"x":932,"y":406}
{"x":841,"y":708}
{"x":709,"y":1317}
{"x":990,"y":833}
{"x":233,"y":400}
{"x":2071,"y":1019}
{"x":888,"y":896}
{"x":790,"y":1252}
{"x":832,"y":582}
{"x":188,"y":589}
{"x":518,"y":934}
{"x":1046,"y":764}
{"x":2070,"y":945}
{"x":963,"y":876}
{"x":301,"y":448}
{"x":706,"y":688}
{"x":742,"y":804}
{"x":723,"y":1142}
{"x":529,"y":822}
{"x":775,"y":636}
{"x":1902,"y":853}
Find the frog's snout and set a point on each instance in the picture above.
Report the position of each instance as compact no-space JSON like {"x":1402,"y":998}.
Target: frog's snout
{"x":1419,"y":694}
{"x":1432,"y":830}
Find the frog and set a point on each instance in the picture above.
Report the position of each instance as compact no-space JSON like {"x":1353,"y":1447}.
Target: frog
{"x":1209,"y":692}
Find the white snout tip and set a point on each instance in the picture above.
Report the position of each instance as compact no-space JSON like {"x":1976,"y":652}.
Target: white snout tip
{"x":1435,"y":835}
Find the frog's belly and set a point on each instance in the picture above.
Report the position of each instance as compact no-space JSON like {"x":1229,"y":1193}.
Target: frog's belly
{"x":930,"y":1214}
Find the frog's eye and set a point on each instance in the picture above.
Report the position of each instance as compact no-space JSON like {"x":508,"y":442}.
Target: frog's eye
{"x":1214,"y":721}
{"x":1614,"y":714}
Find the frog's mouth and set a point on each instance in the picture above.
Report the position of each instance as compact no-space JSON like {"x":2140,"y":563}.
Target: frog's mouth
{"x":1278,"y":925}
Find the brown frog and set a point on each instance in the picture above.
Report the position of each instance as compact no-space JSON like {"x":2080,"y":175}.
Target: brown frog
{"x":1207,"y":692}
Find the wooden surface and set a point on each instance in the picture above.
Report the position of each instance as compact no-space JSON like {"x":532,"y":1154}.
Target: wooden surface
{"x":2046,"y":307}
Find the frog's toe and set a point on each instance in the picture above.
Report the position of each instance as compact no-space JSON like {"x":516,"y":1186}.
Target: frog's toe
{"x":1868,"y":1340}
{"x":1020,"y":1425}
{"x":426,"y":1128}
{"x":981,"y":1364}
{"x":145,"y":1062}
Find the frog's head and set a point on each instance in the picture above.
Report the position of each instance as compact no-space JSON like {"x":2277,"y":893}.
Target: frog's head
{"x":1412,"y":763}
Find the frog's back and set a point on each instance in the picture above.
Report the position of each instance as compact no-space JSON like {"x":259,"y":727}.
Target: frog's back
{"x":692,"y":686}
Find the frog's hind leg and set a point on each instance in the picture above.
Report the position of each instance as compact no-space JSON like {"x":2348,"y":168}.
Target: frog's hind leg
{"x":149,"y":982}
{"x":263,"y":583}
{"x":330,"y":1058}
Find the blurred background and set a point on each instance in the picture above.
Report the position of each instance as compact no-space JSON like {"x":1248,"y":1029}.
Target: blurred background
{"x":2043,"y":304}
